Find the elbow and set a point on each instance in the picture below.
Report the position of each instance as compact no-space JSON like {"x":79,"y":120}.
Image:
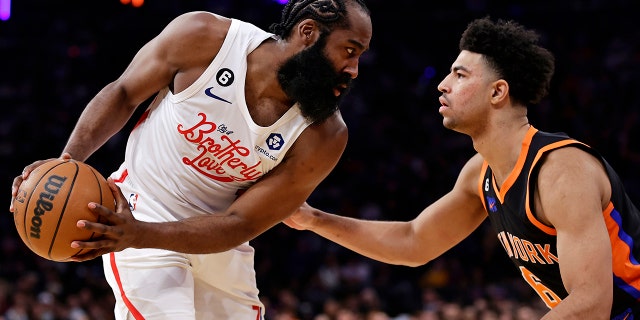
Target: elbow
{"x":417,"y":263}
{"x":412,"y":261}
{"x":413,"y":264}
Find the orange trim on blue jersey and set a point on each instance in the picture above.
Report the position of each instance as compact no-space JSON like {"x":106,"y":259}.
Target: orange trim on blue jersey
{"x":625,"y":266}
{"x":513,"y":176}
{"x":498,"y":193}
{"x":546,"y":229}
{"x":485,"y":165}
{"x":543,"y":227}
{"x":134,"y":312}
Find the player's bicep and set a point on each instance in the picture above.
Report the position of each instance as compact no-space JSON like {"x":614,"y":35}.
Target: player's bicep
{"x":572,"y":187}
{"x":147,"y":74}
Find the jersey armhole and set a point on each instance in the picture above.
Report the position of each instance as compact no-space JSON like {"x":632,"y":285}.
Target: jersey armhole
{"x":533,"y":175}
{"x":483,"y":172}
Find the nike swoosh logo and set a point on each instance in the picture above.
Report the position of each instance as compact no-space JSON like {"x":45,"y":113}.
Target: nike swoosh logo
{"x":210,"y":94}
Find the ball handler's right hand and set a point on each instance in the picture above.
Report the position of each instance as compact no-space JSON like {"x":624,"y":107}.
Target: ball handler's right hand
{"x":17,"y":181}
{"x":115,"y":231}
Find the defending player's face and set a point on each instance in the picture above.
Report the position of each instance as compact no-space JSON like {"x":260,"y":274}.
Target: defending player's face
{"x":310,"y":78}
{"x":466,"y":93}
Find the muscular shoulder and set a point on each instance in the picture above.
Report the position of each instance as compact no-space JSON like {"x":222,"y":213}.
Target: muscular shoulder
{"x":573,"y":175}
{"x":186,"y":46}
{"x":331,"y":134}
{"x":570,"y":162}
{"x":321,"y":144}
{"x":470,"y":172}
{"x":194,"y":36}
{"x":200,"y":25}
{"x":469,"y":177}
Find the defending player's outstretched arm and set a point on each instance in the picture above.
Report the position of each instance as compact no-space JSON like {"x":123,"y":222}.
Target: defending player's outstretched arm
{"x":435,"y":230}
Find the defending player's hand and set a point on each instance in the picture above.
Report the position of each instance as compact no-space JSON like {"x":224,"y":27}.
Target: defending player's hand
{"x":117,"y":231}
{"x":302,"y":218}
{"x":17,"y":181}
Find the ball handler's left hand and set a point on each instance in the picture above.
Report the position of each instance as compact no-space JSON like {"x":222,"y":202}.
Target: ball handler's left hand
{"x":116,"y":231}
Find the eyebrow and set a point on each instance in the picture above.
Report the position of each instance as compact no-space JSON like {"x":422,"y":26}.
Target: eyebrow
{"x":457,"y":68}
{"x":357,"y":44}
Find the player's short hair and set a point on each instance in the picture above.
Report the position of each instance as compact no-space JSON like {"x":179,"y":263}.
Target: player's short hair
{"x":513,"y":52}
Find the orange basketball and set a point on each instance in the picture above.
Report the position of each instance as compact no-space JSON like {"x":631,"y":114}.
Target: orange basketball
{"x":50,"y":202}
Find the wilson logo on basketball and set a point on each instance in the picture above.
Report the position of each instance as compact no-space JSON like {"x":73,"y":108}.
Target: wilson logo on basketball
{"x":45,"y":203}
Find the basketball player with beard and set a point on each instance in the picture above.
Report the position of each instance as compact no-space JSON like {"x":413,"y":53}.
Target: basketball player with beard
{"x":243,"y":126}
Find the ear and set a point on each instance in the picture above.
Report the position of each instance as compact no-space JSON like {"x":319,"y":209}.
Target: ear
{"x":307,"y":31}
{"x":500,"y":91}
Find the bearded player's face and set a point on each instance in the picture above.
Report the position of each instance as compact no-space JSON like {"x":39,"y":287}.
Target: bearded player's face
{"x":310,"y":79}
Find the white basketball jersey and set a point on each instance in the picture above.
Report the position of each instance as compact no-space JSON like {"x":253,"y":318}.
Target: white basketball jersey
{"x":193,"y":151}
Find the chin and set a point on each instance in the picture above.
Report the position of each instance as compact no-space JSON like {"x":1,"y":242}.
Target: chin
{"x":448,"y":123}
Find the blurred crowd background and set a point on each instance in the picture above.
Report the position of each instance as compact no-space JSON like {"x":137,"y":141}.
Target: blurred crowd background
{"x":55,"y":55}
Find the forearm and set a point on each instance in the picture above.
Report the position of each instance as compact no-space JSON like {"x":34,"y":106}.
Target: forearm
{"x":386,"y":241}
{"x":196,"y":235}
{"x":104,"y":116}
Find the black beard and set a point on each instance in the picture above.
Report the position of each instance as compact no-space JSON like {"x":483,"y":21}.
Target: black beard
{"x":309,"y":78}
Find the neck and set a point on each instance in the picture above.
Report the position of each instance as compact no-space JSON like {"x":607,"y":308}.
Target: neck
{"x":266,"y":101}
{"x":262,"y":70}
{"x":500,"y":145}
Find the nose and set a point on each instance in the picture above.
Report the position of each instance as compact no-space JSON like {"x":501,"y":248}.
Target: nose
{"x":352,"y":69}
{"x":442,"y":87}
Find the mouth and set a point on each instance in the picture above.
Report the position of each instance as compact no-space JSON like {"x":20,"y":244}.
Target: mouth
{"x":337,"y":91}
{"x":443,"y":101}
{"x":443,"y":104}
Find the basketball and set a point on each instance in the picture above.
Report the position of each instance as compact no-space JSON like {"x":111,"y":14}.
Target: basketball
{"x":51,"y":200}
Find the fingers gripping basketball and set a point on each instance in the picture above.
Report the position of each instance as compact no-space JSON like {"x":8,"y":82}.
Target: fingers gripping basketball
{"x":50,"y":202}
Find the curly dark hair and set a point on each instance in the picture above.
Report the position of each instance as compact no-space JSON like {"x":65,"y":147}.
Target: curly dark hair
{"x":331,"y":14}
{"x":513,"y":52}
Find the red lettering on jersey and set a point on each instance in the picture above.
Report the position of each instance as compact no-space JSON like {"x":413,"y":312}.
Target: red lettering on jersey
{"x":195,"y":133}
{"x":215,"y":155}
